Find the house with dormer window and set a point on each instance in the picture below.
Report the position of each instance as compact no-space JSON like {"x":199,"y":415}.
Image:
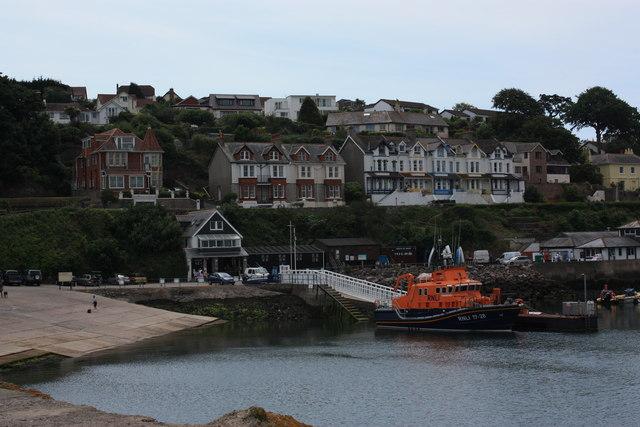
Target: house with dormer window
{"x":211,"y":244}
{"x":119,"y":162}
{"x":272,"y":174}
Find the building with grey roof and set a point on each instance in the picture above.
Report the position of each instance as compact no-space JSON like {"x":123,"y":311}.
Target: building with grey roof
{"x":224,"y":104}
{"x":274,"y":174}
{"x":388,"y":121}
{"x":401,"y":106}
{"x":583,"y":245}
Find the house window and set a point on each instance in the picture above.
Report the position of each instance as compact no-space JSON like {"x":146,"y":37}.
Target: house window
{"x":305,"y":171}
{"x":526,"y":155}
{"x":621,"y":169}
{"x":136,"y":181}
{"x":306,"y":192}
{"x":225,"y":102}
{"x":277,"y":171}
{"x":247,"y":102}
{"x":633,"y":169}
{"x":274,"y":155}
{"x":508,"y":168}
{"x":416,"y":150}
{"x":538,"y":169}
{"x":116,"y":159}
{"x":333,"y":191}
{"x":245,"y":155}
{"x":116,"y":181}
{"x":248,"y":191}
{"x":152,"y":159}
{"x":278,"y":191}
{"x":216,"y":226}
{"x":155,"y":181}
{"x":401,"y":165}
{"x":315,"y":257}
{"x":330,"y":156}
{"x":248,"y":171}
{"x":370,"y":127}
{"x":383,"y":128}
{"x":538,"y":155}
{"x":125,"y":143}
{"x":518,"y":169}
{"x":332,"y":172}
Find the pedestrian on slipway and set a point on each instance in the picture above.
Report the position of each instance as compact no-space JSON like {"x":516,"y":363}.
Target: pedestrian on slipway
{"x":95,"y":302}
{"x":1,"y":290}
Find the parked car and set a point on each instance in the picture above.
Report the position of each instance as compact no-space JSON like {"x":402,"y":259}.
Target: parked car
{"x":96,"y":278}
{"x":119,"y":279}
{"x":519,"y":260}
{"x":81,"y":280}
{"x":594,"y":257}
{"x":221,"y":278}
{"x":481,"y":257}
{"x":506,"y":256}
{"x":33,"y":277}
{"x":254,"y":275}
{"x":12,"y":278}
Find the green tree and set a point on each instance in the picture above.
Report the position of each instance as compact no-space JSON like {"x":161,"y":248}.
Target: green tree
{"x":517,"y":101}
{"x":532,"y":195}
{"x":555,"y":106}
{"x":585,"y":173}
{"x":602,"y":110}
{"x":309,"y":113}
{"x":461,"y":106}
{"x":353,"y":192}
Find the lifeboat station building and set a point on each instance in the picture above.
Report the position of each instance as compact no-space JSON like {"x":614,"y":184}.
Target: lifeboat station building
{"x":211,"y":244}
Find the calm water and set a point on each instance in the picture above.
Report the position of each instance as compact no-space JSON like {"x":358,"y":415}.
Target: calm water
{"x":361,"y":377}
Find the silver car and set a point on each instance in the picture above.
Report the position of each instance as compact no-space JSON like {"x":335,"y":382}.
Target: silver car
{"x":520,"y":260}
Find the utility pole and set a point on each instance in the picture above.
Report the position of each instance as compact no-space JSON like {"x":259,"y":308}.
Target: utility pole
{"x":295,"y":250}
{"x":290,"y":245}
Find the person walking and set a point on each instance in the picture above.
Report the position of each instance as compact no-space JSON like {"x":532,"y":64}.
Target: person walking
{"x":1,"y":290}
{"x":95,"y":302}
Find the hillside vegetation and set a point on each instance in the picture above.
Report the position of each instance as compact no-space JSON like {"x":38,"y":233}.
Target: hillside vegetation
{"x":142,"y":239}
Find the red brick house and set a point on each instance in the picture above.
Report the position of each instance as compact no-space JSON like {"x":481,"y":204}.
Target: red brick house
{"x":119,"y":161}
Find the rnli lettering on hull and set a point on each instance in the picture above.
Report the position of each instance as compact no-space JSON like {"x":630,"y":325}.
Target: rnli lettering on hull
{"x":491,"y":319}
{"x":472,"y":317}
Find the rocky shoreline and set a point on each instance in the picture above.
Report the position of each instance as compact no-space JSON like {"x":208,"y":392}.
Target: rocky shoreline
{"x":28,"y":407}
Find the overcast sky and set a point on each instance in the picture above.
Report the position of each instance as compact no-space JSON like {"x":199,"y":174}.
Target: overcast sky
{"x":438,"y":52}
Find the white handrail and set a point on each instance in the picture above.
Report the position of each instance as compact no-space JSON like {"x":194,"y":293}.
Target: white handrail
{"x":347,"y":285}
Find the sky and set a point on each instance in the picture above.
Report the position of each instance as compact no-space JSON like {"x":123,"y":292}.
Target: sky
{"x":437,"y":52}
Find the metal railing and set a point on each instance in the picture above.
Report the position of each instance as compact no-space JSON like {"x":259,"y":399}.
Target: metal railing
{"x":346,"y":285}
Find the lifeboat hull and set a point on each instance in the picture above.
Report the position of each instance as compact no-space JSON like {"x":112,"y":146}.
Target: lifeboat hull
{"x":486,"y":318}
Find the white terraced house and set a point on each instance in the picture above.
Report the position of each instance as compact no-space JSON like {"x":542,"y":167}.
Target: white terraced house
{"x":416,"y":171}
{"x":266,"y":174}
{"x":289,"y":107}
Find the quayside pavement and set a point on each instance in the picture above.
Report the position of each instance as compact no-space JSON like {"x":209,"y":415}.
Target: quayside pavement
{"x":45,"y":319}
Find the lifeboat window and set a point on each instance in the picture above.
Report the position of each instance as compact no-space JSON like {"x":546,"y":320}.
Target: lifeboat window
{"x":419,"y":291}
{"x":437,"y":290}
{"x":463,"y":288}
{"x":457,"y":288}
{"x":426,"y":291}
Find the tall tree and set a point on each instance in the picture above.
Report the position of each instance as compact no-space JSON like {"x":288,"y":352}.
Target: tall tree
{"x":555,"y":105}
{"x":602,"y":110}
{"x":517,"y":101}
{"x":309,"y":113}
{"x":461,"y":106}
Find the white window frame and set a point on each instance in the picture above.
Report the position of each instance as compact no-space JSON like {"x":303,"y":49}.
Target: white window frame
{"x":216,"y":225}
{"x":245,"y":155}
{"x":117,"y":159}
{"x":152,"y":159}
{"x":274,"y":155}
{"x":121,"y":186}
{"x":136,"y":177}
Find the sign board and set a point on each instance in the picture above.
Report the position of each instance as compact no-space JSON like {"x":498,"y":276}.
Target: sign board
{"x":362,"y":257}
{"x":65,"y":277}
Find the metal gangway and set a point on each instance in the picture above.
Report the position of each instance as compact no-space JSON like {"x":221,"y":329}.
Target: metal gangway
{"x":346,"y":285}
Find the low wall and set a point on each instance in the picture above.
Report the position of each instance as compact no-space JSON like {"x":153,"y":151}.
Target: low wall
{"x":627,"y":270}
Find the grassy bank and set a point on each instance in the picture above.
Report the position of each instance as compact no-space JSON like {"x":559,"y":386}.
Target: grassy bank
{"x":144,"y":239}
{"x":481,"y":226}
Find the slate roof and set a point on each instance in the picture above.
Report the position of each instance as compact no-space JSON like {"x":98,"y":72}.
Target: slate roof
{"x":632,"y":224}
{"x":189,"y":102}
{"x":613,"y":158}
{"x":408,"y":104}
{"x":347,"y":241}
{"x":104,"y":141}
{"x":488,"y":145}
{"x":484,"y":112}
{"x":349,"y":118}
{"x":456,"y":113}
{"x":520,"y":147}
{"x":103,"y":98}
{"x":576,"y":239}
{"x":60,"y":106}
{"x":192,"y":221}
{"x":147,"y":90}
{"x":78,"y":91}
{"x":262,"y":148}
{"x":611,"y":242}
{"x":269,"y":250}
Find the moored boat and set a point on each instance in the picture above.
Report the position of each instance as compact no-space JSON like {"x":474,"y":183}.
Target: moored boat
{"x":447,"y":299}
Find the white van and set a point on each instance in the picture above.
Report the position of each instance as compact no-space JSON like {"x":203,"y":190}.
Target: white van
{"x":481,"y":257}
{"x":506,"y":256}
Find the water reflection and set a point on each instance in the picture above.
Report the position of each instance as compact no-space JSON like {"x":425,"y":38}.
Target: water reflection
{"x":359,"y":376}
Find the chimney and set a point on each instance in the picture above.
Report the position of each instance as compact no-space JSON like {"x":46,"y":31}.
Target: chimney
{"x":628,"y":150}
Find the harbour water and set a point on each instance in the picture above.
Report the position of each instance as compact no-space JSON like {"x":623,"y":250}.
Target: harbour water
{"x":363,"y":377}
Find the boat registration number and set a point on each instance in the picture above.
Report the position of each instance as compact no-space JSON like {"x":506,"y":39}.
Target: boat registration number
{"x":472,"y":317}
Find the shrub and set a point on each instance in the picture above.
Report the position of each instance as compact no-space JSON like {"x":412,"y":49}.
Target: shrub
{"x":532,"y":195}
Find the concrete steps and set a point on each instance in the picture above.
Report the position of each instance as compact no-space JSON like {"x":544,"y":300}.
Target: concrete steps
{"x":345,"y":303}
